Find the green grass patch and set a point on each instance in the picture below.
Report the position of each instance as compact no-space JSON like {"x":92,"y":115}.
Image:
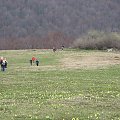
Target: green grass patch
{"x":40,"y":93}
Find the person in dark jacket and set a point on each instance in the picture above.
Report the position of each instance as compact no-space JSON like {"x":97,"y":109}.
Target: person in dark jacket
{"x":1,"y":61}
{"x":62,"y":47}
{"x":3,"y":66}
{"x":54,"y":49}
{"x":30,"y":62}
{"x":5,"y":62}
{"x":37,"y":62}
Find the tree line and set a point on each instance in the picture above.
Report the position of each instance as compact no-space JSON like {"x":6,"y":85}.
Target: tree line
{"x":56,"y":39}
{"x":29,"y":22}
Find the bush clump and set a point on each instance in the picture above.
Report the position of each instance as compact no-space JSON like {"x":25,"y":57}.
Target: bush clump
{"x":98,"y":40}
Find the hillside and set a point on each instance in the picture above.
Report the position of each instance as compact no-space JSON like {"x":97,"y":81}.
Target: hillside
{"x":54,"y":22}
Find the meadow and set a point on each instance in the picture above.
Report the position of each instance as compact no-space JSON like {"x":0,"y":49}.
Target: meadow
{"x":67,"y":85}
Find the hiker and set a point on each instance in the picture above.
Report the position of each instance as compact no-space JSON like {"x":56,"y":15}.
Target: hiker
{"x":5,"y":62}
{"x":37,"y":62}
{"x":31,"y":62}
{"x":54,"y":49}
{"x":1,"y":60}
{"x":33,"y":59}
{"x":3,"y":65}
{"x":62,"y":47}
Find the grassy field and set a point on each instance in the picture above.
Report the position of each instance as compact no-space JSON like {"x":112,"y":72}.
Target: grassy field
{"x":67,"y":85}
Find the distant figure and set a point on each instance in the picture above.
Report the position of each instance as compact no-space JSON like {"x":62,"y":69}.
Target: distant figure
{"x":3,"y":65}
{"x":1,"y":60}
{"x":62,"y":47}
{"x":37,"y":62}
{"x":54,"y":49}
{"x":5,"y":62}
{"x":33,"y":59}
{"x":30,"y":62}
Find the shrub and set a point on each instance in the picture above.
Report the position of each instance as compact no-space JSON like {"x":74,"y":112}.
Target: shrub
{"x":98,"y":40}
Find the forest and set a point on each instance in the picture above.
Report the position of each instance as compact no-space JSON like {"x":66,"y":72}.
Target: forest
{"x":30,"y":24}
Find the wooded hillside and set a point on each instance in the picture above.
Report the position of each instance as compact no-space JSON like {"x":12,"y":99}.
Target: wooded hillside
{"x":48,"y":23}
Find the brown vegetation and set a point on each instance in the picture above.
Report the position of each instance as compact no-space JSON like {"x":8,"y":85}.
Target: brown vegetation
{"x":98,"y":40}
{"x":52,"y":39}
{"x":90,"y":60}
{"x":48,"y":23}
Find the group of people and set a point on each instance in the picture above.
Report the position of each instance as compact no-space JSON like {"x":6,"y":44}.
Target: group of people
{"x":34,"y":60}
{"x":3,"y":63}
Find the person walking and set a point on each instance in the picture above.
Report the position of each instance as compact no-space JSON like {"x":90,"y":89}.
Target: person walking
{"x":54,"y":49}
{"x":3,"y":65}
{"x":33,"y":59}
{"x":37,"y":62}
{"x":62,"y":47}
{"x":31,"y":62}
{"x":5,"y":62}
{"x":1,"y":61}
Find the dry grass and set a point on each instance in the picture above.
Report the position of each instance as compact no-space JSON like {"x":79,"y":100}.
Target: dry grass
{"x":91,"y":60}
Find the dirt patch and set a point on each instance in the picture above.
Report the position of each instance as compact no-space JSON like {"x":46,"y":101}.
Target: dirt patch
{"x":90,"y":60}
